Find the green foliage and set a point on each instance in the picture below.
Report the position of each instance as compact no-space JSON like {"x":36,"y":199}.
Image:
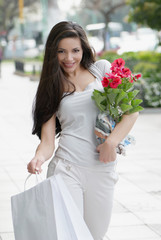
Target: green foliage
{"x":117,"y":102}
{"x":109,"y":55}
{"x":125,"y":108}
{"x":99,"y":100}
{"x":120,"y":97}
{"x":149,"y":56}
{"x":135,"y":109}
{"x":148,"y":64}
{"x":130,"y":58}
{"x":145,"y":68}
{"x":152,"y":90}
{"x":132,"y":95}
{"x":147,"y":12}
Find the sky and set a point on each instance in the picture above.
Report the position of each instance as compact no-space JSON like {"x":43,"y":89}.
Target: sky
{"x":67,"y":4}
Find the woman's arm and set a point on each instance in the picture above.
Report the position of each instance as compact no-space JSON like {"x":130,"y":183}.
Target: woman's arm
{"x":107,"y":150}
{"x":46,"y":147}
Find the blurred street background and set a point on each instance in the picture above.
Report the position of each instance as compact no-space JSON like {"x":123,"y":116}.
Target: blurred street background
{"x":119,"y":28}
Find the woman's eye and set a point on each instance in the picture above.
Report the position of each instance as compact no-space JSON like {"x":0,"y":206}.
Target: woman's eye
{"x":60,"y":51}
{"x":76,"y":50}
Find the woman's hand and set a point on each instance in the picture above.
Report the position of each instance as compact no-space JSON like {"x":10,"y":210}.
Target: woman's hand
{"x":107,"y":149}
{"x":35,"y":165}
{"x":46,"y":147}
{"x":107,"y":152}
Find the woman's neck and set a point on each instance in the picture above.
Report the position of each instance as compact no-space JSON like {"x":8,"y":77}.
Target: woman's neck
{"x":76,"y":73}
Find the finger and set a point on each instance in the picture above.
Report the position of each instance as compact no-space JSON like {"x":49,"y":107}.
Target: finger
{"x":101,"y":159}
{"x":38,"y":166}
{"x":31,"y":170}
{"x":38,"y":170}
{"x":31,"y":167}
{"x":106,"y":161}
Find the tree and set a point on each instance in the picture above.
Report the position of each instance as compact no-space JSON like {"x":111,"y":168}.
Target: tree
{"x":146,"y":12}
{"x":104,"y":7}
{"x":8,"y":11}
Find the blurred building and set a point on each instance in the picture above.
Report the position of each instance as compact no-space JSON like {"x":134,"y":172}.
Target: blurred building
{"x":38,"y":21}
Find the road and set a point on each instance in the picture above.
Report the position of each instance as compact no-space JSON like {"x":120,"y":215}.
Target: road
{"x":137,"y":204}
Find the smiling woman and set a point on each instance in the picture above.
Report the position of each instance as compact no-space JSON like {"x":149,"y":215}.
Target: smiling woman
{"x":64,"y":106}
{"x":70,"y":54}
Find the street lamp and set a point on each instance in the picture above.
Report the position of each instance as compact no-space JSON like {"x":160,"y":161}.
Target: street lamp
{"x":21,"y":17}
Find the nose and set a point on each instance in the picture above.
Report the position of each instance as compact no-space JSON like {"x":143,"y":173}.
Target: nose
{"x":69,"y":56}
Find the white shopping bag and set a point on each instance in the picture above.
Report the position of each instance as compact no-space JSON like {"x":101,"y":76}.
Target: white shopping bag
{"x":47,"y":212}
{"x":73,"y":220}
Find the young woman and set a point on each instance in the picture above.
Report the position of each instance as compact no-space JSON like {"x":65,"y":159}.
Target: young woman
{"x":63,"y":106}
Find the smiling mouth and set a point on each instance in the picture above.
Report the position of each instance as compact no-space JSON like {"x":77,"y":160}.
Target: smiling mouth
{"x":68,"y":65}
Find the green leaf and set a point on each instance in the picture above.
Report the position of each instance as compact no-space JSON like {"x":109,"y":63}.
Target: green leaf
{"x":136,"y":102}
{"x":111,"y":95}
{"x":125,"y":100}
{"x":105,"y":89}
{"x":97,"y":91}
{"x":113,"y":90}
{"x":99,"y":99}
{"x":104,"y":102}
{"x":136,"y":109}
{"x":127,"y":86}
{"x":114,"y":112}
{"x":120,"y":96}
{"x":132,"y":94}
{"x":125,"y":107}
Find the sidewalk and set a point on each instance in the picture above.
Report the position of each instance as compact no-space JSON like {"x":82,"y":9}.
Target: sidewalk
{"x":137,"y":205}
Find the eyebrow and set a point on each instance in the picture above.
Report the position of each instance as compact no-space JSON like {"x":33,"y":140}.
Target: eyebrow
{"x":65,"y":49}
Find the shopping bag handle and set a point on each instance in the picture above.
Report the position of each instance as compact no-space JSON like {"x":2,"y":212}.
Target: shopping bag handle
{"x":37,"y":179}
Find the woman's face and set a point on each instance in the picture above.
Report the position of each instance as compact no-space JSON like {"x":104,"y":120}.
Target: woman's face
{"x":70,"y":54}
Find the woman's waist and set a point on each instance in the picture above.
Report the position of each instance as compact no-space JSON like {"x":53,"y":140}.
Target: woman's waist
{"x":77,"y":138}
{"x":77,"y":145}
{"x":87,"y":163}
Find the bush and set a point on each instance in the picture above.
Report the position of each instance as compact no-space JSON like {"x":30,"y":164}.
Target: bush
{"x":149,"y":56}
{"x":109,"y":55}
{"x":153,"y":90}
{"x":145,"y":68}
{"x":148,"y":64}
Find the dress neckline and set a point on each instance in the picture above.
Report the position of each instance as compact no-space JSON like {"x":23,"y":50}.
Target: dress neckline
{"x":85,"y":89}
{"x":91,"y":83}
{"x":88,"y":85}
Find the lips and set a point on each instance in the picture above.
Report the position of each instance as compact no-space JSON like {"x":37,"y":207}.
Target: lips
{"x":68,"y":65}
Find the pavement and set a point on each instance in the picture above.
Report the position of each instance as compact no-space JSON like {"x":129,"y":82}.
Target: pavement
{"x":137,"y":203}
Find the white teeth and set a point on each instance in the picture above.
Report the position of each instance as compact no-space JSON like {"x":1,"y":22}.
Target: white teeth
{"x":68,"y":64}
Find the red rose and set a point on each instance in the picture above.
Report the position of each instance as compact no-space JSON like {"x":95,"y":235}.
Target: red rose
{"x":116,"y":70}
{"x":115,"y":82}
{"x":126,"y":72}
{"x":138,"y":76}
{"x":131,"y":79}
{"x":111,"y":76}
{"x":105,"y":82}
{"x":118,"y":63}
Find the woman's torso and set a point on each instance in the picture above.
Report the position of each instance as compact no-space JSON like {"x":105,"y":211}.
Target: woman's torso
{"x":77,"y":115}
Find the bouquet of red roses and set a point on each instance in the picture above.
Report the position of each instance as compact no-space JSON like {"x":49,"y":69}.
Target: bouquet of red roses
{"x":118,"y":98}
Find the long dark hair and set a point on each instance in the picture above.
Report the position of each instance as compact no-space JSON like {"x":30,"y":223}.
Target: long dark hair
{"x":51,"y":86}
